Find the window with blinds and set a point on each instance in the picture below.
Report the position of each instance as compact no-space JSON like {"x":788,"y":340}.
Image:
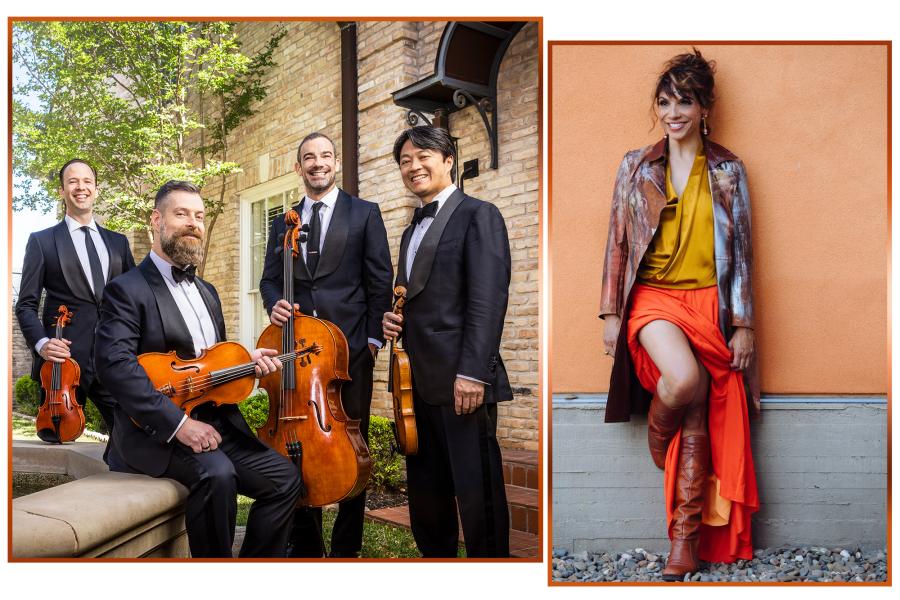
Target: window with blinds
{"x":262,"y":213}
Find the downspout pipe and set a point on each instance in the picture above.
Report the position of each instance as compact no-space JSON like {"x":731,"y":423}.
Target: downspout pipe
{"x":349,"y":107}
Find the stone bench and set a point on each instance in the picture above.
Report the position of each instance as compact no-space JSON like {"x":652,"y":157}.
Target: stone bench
{"x":100,"y":515}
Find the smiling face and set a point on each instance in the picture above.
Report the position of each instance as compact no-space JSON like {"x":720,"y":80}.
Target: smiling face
{"x":79,"y":190}
{"x":318,"y":166}
{"x":680,"y":116}
{"x":425,"y":172}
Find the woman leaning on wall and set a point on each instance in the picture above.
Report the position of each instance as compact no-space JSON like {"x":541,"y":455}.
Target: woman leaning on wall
{"x":678,"y":314}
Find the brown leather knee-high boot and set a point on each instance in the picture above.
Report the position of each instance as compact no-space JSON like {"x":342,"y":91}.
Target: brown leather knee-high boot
{"x":662,"y":424}
{"x":693,"y":464}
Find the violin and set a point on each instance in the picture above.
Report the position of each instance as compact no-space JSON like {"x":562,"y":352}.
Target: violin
{"x":222,"y":374}
{"x":306,"y":421}
{"x":60,"y":418}
{"x":400,"y":387}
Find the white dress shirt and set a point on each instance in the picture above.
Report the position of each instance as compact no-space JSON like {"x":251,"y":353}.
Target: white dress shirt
{"x":193,"y":310}
{"x":422,"y":228}
{"x":325,"y":212}
{"x":77,"y":236}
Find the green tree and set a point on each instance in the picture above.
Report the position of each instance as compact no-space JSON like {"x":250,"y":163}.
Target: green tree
{"x":145,"y":101}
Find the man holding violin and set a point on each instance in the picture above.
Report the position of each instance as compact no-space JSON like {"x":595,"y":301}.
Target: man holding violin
{"x":159,"y":307}
{"x":72,"y":261}
{"x":455,"y":265}
{"x":343,"y":276}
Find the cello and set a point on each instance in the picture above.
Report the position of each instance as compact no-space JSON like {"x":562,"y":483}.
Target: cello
{"x":400,"y":387}
{"x":306,"y":421}
{"x":60,"y":418}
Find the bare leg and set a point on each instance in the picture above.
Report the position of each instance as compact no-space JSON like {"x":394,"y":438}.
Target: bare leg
{"x":683,"y":381}
{"x":671,"y":352}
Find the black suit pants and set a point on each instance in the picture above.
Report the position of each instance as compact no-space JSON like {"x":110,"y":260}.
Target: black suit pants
{"x":215,"y":478}
{"x":346,"y":536}
{"x":458,"y":468}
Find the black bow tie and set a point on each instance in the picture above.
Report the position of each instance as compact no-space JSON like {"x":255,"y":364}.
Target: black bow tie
{"x":186,"y":274}
{"x":429,"y":210}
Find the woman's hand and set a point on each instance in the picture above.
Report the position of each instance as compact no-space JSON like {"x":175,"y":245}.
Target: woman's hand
{"x":611,"y":325}
{"x":742,"y":345}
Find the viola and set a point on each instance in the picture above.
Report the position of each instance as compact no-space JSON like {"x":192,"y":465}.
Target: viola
{"x":400,"y":387}
{"x":222,"y":374}
{"x":60,"y":418}
{"x":307,"y":422}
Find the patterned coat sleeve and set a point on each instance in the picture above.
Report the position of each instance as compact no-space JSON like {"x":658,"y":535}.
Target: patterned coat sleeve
{"x":742,"y":254}
{"x":616,"y":246}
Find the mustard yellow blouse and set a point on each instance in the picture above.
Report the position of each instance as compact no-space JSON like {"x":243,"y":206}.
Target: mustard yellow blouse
{"x":681,"y":254}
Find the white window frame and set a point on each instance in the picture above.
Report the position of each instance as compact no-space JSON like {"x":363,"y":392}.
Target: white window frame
{"x":278,"y":185}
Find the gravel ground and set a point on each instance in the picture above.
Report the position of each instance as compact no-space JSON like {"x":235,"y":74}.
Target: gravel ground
{"x":809,"y":563}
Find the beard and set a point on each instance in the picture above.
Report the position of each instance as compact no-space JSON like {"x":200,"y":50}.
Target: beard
{"x":184,"y":247}
{"x":317,"y":188}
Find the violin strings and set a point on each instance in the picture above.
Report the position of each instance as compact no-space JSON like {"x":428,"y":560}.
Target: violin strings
{"x":205,"y":381}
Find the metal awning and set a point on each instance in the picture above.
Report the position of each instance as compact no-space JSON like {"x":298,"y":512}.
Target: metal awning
{"x":465,"y":73}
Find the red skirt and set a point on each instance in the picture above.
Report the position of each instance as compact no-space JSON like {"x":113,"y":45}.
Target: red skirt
{"x":725,"y":532}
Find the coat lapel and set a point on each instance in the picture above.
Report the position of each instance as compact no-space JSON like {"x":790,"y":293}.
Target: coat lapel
{"x":213,"y":307}
{"x":70,"y":265}
{"x":336,"y":237}
{"x":175,"y":330}
{"x":115,"y":257}
{"x":421,"y":267}
{"x":401,"y":260}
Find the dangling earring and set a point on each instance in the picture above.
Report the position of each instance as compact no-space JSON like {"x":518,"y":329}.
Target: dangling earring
{"x":703,"y":127}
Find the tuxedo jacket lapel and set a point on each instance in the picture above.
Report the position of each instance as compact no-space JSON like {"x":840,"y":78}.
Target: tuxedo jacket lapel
{"x":213,"y":307}
{"x":175,"y":330}
{"x":401,"y":260}
{"x":336,"y":237}
{"x":421,"y":267}
{"x":70,"y":265}
{"x":115,"y":257}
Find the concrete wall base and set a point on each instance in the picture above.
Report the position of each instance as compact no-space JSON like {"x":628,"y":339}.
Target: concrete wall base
{"x":821,"y":469}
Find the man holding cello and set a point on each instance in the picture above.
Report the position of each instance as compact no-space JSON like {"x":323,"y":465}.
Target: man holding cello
{"x":344,"y":276}
{"x":162,"y":306}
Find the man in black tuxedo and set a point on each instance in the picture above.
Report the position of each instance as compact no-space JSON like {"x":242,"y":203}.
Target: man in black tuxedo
{"x":343,"y":276}
{"x":455,"y":264}
{"x":72,"y":261}
{"x":159,"y":307}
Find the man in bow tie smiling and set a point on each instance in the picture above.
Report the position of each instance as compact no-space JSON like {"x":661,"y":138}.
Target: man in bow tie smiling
{"x":455,"y":265}
{"x":159,"y":307}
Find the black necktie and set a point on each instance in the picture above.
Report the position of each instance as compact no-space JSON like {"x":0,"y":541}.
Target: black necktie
{"x":312,"y":244}
{"x":429,"y":210}
{"x":94,"y":262}
{"x":185,"y":274}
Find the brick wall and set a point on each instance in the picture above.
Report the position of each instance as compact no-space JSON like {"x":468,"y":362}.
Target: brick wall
{"x":304,"y":96}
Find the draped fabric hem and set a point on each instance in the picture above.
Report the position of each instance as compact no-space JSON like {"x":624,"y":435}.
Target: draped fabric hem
{"x":695,"y":312}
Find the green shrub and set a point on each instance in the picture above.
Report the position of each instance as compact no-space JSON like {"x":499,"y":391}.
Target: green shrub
{"x":28,"y":395}
{"x":255,"y":409}
{"x":387,"y":465}
{"x":93,"y":419}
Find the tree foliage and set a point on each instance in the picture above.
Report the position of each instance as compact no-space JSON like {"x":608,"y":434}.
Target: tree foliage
{"x":144,"y":101}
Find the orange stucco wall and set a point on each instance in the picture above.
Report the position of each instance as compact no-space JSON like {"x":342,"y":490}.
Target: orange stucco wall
{"x":810,"y":123}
